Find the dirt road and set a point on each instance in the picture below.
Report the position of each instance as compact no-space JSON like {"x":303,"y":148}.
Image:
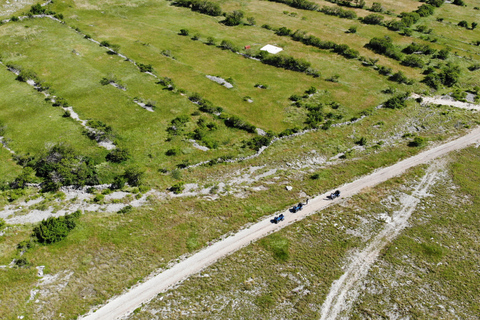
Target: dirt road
{"x":124,"y":304}
{"x":345,"y":290}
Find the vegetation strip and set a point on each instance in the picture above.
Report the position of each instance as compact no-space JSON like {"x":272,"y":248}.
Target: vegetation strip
{"x":146,"y":291}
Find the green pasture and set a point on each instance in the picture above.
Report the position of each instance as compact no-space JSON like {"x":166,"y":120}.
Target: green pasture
{"x":437,"y":254}
{"x":31,"y":123}
{"x":426,"y":272}
{"x":73,"y":67}
{"x":143,"y":37}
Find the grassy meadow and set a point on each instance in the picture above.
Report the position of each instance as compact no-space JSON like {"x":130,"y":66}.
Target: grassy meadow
{"x":286,"y":274}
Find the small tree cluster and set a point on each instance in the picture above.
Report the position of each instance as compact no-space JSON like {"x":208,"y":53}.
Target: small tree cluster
{"x":447,"y":76}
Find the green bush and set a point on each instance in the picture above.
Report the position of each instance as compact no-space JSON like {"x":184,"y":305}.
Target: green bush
{"x":3,"y":224}
{"x":418,"y":142}
{"x":99,"y":198}
{"x":118,"y":155}
{"x":396,"y":102}
{"x":173,"y":152}
{"x":134,"y":176}
{"x":61,"y":166}
{"x":125,"y":210}
{"x":234,"y":18}
{"x":54,"y":229}
{"x":178,"y":187}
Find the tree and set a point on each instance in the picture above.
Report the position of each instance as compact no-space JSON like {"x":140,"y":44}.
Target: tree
{"x":234,"y":18}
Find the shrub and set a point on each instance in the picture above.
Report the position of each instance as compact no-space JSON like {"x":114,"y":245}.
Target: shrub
{"x":118,"y":182}
{"x":425,"y":10}
{"x":395,"y":25}
{"x":259,"y":141}
{"x":234,"y":18}
{"x":311,"y":90}
{"x":173,"y":152}
{"x":104,"y":44}
{"x":396,"y":102}
{"x":178,"y":187}
{"x":54,"y":229}
{"x":27,"y":176}
{"x":418,"y":142}
{"x":125,"y":210}
{"x":3,"y":224}
{"x":413,"y":61}
{"x":14,"y":19}
{"x":459,"y":3}
{"x":385,"y":47}
{"x":118,"y":155}
{"x":463,"y":24}
{"x":134,"y":176}
{"x":236,"y":122}
{"x":442,"y":54}
{"x":376,"y":7}
{"x":104,"y":81}
{"x":352,"y":29}
{"x":210,"y":41}
{"x":362,"y":141}
{"x":283,"y":31}
{"x":474,"y":67}
{"x":145,"y":67}
{"x":228,"y":45}
{"x":60,"y":165}
{"x":184,"y":32}
{"x":99,"y":198}
{"x":409,"y":18}
{"x":339,"y":12}
{"x":373,"y":19}
{"x":315,"y":176}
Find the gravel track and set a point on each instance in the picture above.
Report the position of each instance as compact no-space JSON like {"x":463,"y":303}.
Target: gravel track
{"x":120,"y":306}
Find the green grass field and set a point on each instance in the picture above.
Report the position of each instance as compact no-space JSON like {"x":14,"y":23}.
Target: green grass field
{"x":427,"y":272}
{"x":108,"y":252}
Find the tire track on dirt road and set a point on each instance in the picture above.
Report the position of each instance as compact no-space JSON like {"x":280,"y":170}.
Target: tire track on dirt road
{"x":343,"y":291}
{"x":122,"y":305}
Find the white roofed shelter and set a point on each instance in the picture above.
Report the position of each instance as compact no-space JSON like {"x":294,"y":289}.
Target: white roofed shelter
{"x":271,"y":49}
